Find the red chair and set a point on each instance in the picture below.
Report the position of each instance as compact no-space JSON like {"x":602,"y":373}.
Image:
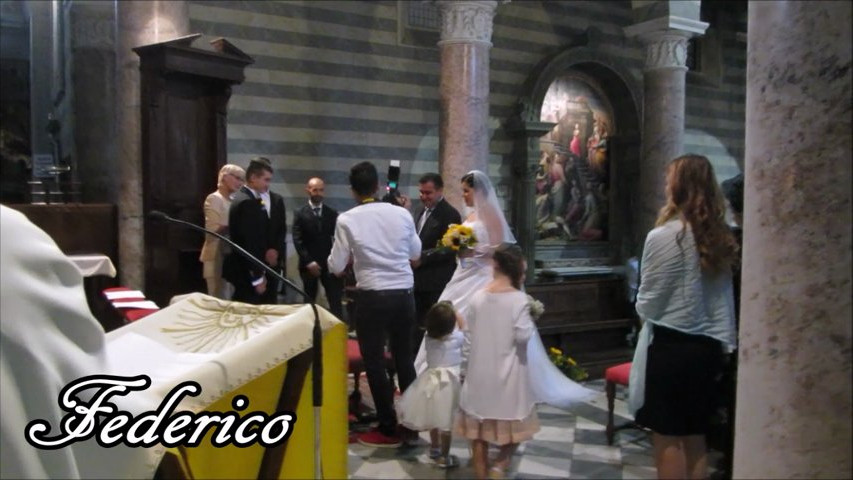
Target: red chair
{"x":616,"y":375}
{"x":128,"y":314}
{"x":115,"y":289}
{"x":356,"y":366}
{"x":135,"y":314}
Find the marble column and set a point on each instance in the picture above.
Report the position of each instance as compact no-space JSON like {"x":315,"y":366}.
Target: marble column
{"x":466,"y":32}
{"x":41,"y":74}
{"x":92,"y":36}
{"x":664,"y":77}
{"x":138,"y":22}
{"x":664,"y":27}
{"x":793,"y":415}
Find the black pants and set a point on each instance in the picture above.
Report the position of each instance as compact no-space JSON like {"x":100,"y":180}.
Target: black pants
{"x":333,"y":286}
{"x":423,"y":302}
{"x":380,"y":314}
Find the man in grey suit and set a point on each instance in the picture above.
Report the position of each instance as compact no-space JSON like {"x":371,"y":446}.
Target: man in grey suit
{"x":436,"y":266}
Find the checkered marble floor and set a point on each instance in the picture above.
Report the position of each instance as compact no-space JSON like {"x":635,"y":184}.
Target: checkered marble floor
{"x":570,"y":444}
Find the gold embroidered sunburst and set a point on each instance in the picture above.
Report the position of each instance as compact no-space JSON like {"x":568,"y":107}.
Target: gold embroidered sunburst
{"x":213,"y":325}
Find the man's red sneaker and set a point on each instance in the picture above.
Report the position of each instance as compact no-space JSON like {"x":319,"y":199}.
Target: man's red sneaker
{"x":375,"y":438}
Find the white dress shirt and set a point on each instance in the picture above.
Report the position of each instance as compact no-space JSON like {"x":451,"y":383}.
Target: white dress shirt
{"x":380,"y":239}
{"x":423,"y":218}
{"x":265,"y":199}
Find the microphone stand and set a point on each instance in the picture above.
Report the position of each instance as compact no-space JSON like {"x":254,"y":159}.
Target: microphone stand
{"x":317,"y":332}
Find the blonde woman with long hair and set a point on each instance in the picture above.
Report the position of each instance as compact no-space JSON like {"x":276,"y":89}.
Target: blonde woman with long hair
{"x":216,"y":205}
{"x":686,"y":303}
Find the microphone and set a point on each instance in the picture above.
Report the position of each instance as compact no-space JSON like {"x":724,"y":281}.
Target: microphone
{"x":158,"y":215}
{"x":317,"y":333}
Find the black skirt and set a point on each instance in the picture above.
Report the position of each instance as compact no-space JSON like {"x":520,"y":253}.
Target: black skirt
{"x":681,"y":378}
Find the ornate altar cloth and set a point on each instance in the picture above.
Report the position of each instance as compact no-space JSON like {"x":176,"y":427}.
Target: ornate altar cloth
{"x":232,"y":348}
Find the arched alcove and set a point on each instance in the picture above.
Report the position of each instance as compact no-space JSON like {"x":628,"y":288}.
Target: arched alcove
{"x":581,"y":283}
{"x":619,"y":93}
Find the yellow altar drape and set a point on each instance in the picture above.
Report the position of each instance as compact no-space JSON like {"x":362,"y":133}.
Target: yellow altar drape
{"x":252,"y":365}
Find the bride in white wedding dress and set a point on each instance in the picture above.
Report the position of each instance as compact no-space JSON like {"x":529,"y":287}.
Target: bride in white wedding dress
{"x":484,"y":216}
{"x":474,"y":270}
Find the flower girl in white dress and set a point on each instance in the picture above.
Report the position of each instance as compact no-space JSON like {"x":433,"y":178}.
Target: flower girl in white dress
{"x":497,"y":405}
{"x":431,"y":400}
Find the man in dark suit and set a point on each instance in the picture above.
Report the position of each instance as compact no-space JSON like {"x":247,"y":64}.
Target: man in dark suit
{"x":257,"y":222}
{"x":313,"y":232}
{"x":436,"y":266}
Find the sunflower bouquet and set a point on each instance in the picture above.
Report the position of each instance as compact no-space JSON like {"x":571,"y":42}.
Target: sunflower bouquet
{"x":567,"y":365}
{"x":458,"y":238}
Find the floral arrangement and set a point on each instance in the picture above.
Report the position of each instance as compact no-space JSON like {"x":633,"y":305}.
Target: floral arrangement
{"x":458,"y":238}
{"x":567,"y":365}
{"x":536,"y":308}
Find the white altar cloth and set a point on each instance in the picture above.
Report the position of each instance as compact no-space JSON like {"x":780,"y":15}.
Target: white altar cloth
{"x":94,"y":264}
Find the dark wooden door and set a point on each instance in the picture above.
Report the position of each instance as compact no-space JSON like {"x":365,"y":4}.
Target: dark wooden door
{"x":181,"y":170}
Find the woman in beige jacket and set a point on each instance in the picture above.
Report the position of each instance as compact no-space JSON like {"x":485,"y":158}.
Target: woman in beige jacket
{"x":216,"y":205}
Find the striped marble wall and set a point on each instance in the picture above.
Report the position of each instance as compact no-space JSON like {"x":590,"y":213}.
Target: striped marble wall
{"x":334,"y":83}
{"x":715,"y":115}
{"x":330,"y":87}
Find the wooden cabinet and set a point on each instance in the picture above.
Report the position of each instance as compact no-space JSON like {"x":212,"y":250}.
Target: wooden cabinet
{"x":77,"y":228}
{"x":589,"y":318}
{"x":185,"y":93}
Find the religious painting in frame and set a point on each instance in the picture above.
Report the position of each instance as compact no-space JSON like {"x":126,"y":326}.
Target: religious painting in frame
{"x":573,"y":178}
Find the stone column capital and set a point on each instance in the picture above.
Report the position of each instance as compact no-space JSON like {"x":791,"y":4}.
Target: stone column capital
{"x":666,"y":39}
{"x":467,"y":21}
{"x":666,"y":50}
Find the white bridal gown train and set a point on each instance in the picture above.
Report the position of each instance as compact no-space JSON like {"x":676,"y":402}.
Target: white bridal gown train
{"x":548,"y":384}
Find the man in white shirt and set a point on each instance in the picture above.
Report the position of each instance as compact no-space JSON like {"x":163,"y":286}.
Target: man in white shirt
{"x":380,"y":241}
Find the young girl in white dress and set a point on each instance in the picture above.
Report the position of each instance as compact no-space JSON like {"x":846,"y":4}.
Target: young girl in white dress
{"x":497,"y":405}
{"x":431,"y":400}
